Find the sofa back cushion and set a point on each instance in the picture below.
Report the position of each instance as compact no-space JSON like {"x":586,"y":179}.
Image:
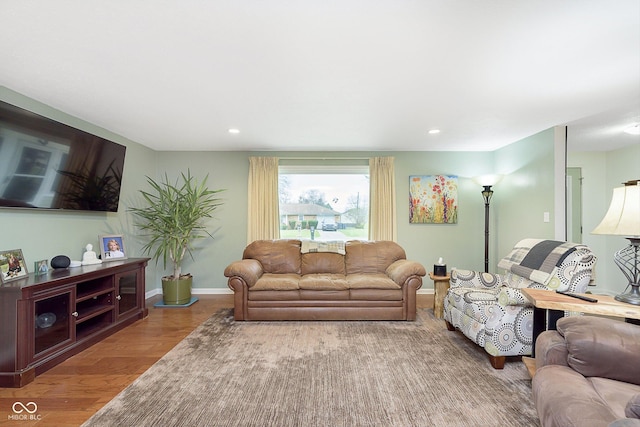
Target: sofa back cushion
{"x":276,"y":256}
{"x":602,"y":347}
{"x":322,"y":262}
{"x":371,"y":257}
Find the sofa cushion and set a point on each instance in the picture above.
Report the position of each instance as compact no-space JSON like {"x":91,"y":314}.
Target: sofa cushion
{"x":617,"y":355}
{"x":371,"y":257}
{"x":324,"y":295}
{"x":376,"y":294}
{"x":615,"y":394}
{"x":292,"y":295}
{"x":323,"y":282}
{"x":371,"y":281}
{"x":276,"y":256}
{"x":276,"y":282}
{"x":322,"y":262}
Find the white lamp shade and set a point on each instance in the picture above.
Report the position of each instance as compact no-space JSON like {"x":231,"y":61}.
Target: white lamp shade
{"x":487,"y":180}
{"x":623,"y":216}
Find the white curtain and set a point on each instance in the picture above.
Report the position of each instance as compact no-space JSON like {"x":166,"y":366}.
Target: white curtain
{"x":382,"y":209}
{"x":263,"y":216}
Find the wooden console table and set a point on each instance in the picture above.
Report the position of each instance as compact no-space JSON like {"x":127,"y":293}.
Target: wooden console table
{"x":49,"y":318}
{"x":440,"y":286}
{"x":550,"y":306}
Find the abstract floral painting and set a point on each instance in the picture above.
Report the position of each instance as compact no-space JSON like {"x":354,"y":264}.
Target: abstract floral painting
{"x":433,"y":199}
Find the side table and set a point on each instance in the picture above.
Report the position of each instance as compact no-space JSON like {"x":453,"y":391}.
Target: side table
{"x":440,"y":286}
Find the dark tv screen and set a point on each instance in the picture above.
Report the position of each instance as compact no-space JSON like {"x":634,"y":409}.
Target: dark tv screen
{"x":46,"y":164}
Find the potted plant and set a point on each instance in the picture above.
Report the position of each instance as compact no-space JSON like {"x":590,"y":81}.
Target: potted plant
{"x":174,"y":217}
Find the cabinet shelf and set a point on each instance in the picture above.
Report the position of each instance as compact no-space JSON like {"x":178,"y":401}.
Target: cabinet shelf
{"x":92,"y":312}
{"x":92,"y":325}
{"x":93,"y":295}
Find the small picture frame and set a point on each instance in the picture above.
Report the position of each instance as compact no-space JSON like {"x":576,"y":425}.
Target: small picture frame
{"x":112,"y":248}
{"x":12,"y":265}
{"x":40,"y":267}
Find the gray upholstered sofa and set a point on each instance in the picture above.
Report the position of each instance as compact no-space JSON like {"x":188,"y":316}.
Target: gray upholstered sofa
{"x":588,"y":373}
{"x":302,"y":280}
{"x":491,"y":310}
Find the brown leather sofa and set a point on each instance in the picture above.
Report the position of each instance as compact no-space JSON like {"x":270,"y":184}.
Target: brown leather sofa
{"x":370,"y":281}
{"x":588,"y":373}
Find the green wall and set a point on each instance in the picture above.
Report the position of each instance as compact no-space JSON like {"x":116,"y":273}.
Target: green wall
{"x":516,"y":209}
{"x":526,"y":192}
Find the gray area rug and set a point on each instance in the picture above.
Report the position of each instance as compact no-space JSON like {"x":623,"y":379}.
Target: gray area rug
{"x":228,"y":373}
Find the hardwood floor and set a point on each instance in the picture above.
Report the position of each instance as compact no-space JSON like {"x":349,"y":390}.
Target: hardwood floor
{"x":69,"y":393}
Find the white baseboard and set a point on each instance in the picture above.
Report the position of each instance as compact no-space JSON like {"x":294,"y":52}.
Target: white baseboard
{"x":194,"y":291}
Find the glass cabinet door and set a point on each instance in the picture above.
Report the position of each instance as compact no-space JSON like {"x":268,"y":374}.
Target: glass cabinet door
{"x":52,"y":322}
{"x":127,"y":289}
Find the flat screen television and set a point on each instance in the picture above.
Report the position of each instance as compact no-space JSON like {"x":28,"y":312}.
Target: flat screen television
{"x":45,"y":164}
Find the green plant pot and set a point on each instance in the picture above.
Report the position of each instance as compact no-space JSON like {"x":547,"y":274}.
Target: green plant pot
{"x":177,"y":292}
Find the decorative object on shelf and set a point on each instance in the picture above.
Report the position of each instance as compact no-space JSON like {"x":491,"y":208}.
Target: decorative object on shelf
{"x":46,"y":320}
{"x":112,"y":247}
{"x":440,"y":269}
{"x":12,"y":265}
{"x":433,"y":199}
{"x":174,"y":216}
{"x":89,"y":256}
{"x":40,"y":267}
{"x":60,"y":261}
{"x":487,"y":181}
{"x":623,"y":219}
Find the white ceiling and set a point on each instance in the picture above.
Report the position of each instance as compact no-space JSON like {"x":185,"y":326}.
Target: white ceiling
{"x":331,"y":74}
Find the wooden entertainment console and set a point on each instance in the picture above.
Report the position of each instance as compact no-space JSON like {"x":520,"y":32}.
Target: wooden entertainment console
{"x":49,"y":318}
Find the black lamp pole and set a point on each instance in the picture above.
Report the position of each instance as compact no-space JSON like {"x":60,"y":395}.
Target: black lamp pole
{"x":486,"y":194}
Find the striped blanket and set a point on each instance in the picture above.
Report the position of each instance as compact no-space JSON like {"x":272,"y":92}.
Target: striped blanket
{"x":536,"y":259}
{"x":329,"y":246}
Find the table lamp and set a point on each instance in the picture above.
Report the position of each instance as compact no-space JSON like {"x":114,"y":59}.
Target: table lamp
{"x":623,"y":219}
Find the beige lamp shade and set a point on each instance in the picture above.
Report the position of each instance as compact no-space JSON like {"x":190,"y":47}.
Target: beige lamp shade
{"x":623,"y":216}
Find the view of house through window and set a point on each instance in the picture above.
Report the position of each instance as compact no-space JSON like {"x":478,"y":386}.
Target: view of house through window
{"x":324,"y":206}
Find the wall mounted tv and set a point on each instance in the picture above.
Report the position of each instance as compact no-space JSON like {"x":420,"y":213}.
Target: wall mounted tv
{"x":45,"y":164}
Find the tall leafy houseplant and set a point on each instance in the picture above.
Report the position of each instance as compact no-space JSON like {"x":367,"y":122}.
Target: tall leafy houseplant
{"x":175,"y":215}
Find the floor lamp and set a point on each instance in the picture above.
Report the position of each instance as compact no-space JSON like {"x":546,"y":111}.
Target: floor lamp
{"x":487,"y":181}
{"x":623,"y":219}
{"x":487,"y":193}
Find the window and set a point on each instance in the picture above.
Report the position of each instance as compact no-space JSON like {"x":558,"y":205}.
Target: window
{"x":324,"y":202}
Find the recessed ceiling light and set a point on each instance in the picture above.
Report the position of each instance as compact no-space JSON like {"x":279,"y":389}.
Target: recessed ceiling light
{"x":633,"y":129}
{"x":234,"y":130}
{"x":434,"y":131}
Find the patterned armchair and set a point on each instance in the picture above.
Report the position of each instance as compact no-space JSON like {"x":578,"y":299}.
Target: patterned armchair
{"x":491,"y":310}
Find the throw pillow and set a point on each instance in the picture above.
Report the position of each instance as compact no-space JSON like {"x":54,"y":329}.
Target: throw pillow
{"x":632,"y":410}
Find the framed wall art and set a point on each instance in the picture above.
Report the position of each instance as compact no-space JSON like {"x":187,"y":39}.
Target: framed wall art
{"x":112,"y":247}
{"x":433,"y":199}
{"x":12,"y":265}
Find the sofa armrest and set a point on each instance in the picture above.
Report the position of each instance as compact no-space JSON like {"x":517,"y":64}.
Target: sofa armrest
{"x":512,"y":296}
{"x":249,"y":270}
{"x":551,"y":349}
{"x":475,"y":279}
{"x":402,"y":269}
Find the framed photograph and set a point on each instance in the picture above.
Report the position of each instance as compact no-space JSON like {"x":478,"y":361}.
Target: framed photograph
{"x":12,"y":265}
{"x":433,"y":199}
{"x":112,"y":247}
{"x":40,"y":267}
